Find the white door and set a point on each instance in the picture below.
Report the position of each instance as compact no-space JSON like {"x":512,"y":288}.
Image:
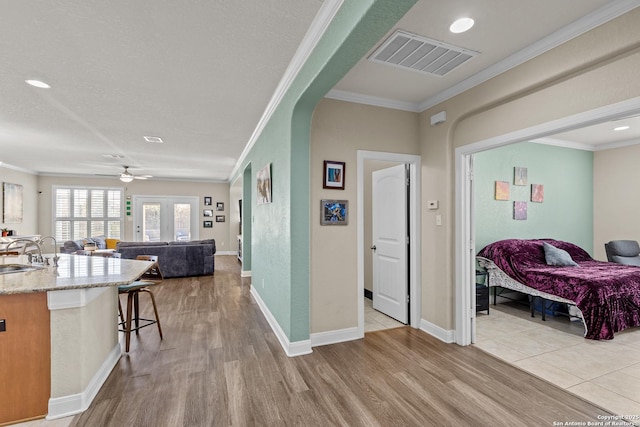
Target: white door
{"x":389,"y":219}
{"x":165,"y":218}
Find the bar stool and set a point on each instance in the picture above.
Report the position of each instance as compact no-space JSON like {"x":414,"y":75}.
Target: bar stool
{"x":151,"y":277}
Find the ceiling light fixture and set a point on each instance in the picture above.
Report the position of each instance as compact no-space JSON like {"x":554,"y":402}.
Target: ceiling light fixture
{"x":126,"y":176}
{"x":619,"y":128}
{"x":461,"y":25}
{"x":38,"y":83}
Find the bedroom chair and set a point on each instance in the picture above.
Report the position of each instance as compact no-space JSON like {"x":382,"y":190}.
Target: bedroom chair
{"x":623,"y":252}
{"x":151,"y":277}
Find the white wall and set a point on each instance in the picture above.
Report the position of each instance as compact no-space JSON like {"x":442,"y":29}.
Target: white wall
{"x":152,"y":187}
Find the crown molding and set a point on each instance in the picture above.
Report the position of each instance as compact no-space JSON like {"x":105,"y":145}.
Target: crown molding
{"x":315,"y":32}
{"x":586,"y":147}
{"x":342,"y":95}
{"x":588,"y":22}
{"x":17,"y":168}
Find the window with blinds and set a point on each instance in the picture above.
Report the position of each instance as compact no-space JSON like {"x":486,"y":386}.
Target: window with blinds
{"x":87,"y":212}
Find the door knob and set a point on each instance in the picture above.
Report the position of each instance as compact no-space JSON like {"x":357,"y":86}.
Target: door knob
{"x":374,"y":248}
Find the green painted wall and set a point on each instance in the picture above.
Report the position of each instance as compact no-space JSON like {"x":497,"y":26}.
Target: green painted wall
{"x":280,"y":230}
{"x":567,"y":210}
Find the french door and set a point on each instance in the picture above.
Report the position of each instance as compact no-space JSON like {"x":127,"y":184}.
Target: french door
{"x":165,"y":218}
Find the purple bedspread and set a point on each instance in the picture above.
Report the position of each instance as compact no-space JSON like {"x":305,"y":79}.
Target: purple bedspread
{"x":608,"y":294}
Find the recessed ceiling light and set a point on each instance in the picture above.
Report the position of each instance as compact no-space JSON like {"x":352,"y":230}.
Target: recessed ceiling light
{"x":38,"y":83}
{"x":461,"y":25}
{"x":619,"y":128}
{"x":155,"y":139}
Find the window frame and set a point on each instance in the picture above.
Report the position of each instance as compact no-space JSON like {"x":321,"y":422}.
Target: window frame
{"x":88,"y":218}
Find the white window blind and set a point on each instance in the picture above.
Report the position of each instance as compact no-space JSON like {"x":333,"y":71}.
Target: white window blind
{"x":87,"y":212}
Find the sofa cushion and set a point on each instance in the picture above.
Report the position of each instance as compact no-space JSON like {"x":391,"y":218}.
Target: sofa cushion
{"x":125,"y":244}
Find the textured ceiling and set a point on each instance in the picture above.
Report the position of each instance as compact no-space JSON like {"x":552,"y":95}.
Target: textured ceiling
{"x":200,"y":74}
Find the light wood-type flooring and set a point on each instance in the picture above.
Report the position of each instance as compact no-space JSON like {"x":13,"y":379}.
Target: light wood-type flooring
{"x":221,"y":365}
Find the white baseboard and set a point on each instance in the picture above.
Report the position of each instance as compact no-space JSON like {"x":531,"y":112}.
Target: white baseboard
{"x":334,"y":337}
{"x":292,"y":349}
{"x":437,"y":331}
{"x":72,"y":404}
{"x":245,"y":273}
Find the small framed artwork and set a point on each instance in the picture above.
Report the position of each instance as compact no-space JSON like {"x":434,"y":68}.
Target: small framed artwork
{"x":519,"y":176}
{"x":207,"y":224}
{"x":334,"y":212}
{"x":219,"y":218}
{"x":502,"y":190}
{"x":12,"y":209}
{"x":207,"y":200}
{"x":520,"y":210}
{"x":220,"y":206}
{"x":207,"y":212}
{"x":537,"y":193}
{"x":263,"y":182}
{"x":333,"y":175}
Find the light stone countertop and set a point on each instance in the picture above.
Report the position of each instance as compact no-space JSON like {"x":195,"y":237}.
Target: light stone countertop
{"x":73,"y":272}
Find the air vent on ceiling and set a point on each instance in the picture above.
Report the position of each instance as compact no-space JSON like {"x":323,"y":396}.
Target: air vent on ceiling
{"x":418,"y":53}
{"x":155,"y":139}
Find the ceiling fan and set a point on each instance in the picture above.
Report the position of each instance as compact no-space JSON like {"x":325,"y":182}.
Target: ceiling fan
{"x":126,"y":176}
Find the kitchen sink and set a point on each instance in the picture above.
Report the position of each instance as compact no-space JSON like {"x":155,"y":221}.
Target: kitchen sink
{"x":17,"y":268}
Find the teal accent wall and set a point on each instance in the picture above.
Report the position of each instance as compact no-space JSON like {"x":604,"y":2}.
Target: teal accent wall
{"x":280,"y":230}
{"x":567,"y":210}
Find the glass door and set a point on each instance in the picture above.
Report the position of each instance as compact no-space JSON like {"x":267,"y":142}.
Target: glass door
{"x":159,"y":218}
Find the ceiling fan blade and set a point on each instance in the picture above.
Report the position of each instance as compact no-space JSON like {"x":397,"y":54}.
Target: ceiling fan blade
{"x":139,"y":177}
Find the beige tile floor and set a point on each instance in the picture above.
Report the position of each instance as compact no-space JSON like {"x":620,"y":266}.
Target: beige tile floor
{"x":606,"y":373}
{"x":376,"y":321}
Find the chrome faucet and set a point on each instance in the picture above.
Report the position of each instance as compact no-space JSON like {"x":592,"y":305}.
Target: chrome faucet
{"x":55,"y":248}
{"x":27,"y":243}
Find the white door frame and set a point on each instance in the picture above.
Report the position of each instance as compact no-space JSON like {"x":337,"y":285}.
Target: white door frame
{"x":464,"y":240}
{"x":193,"y":200}
{"x":414,"y":232}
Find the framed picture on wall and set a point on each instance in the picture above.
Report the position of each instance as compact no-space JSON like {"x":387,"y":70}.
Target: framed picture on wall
{"x":207,"y":200}
{"x":334,"y":212}
{"x":333,"y":175}
{"x":207,"y":212}
{"x":207,"y":224}
{"x":219,"y":218}
{"x":263,"y":183}
{"x":220,"y":206}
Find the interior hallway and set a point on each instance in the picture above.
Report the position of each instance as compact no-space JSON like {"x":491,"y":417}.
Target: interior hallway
{"x":220,"y":365}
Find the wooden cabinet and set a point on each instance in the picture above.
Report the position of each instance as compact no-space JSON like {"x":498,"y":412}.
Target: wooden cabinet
{"x":25,"y":357}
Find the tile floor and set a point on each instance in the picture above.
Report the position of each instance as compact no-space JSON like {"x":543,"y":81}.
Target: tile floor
{"x":376,"y":321}
{"x":606,"y":373}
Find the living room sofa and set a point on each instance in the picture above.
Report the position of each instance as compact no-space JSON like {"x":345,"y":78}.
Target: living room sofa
{"x":176,"y":259}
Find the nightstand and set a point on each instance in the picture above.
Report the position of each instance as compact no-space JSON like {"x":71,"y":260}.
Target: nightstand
{"x":482,"y":291}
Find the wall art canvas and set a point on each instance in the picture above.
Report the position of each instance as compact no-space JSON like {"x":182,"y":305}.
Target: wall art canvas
{"x":537,"y":193}
{"x":520,"y":210}
{"x":519,"y":176}
{"x":334,"y":212}
{"x":263,"y":183}
{"x":12,"y":203}
{"x":502,"y":190}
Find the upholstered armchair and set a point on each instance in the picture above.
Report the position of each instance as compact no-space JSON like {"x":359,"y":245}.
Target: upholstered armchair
{"x":623,"y":252}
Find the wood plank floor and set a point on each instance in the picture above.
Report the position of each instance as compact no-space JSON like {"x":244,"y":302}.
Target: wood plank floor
{"x":220,"y":365}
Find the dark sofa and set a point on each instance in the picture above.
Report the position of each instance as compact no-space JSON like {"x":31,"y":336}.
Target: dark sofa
{"x":176,"y":259}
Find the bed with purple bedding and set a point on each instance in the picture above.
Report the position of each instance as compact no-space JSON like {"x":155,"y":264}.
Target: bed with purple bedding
{"x":607,"y":294}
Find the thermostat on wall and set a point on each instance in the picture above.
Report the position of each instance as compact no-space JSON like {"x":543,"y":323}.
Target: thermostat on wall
{"x":432,"y":204}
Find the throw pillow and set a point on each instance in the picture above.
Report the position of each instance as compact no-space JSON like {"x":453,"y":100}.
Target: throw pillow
{"x":626,"y":260}
{"x":557,"y":256}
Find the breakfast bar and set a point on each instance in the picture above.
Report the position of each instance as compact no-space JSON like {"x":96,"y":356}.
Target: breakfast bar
{"x":58,"y":332}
